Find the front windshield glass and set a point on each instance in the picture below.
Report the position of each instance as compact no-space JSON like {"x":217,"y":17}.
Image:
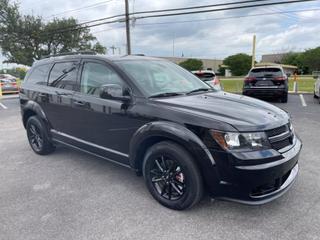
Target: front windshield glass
{"x":160,"y":77}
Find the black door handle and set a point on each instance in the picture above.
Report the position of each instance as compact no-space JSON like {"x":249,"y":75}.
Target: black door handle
{"x":43,"y":95}
{"x":79,"y":103}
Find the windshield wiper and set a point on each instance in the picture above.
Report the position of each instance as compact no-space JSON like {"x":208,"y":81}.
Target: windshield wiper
{"x":167,"y":94}
{"x":200,"y":90}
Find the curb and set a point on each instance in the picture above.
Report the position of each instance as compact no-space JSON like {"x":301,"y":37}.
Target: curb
{"x":3,"y":97}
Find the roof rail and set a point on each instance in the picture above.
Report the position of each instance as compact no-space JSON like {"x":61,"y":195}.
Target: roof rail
{"x":70,"y":53}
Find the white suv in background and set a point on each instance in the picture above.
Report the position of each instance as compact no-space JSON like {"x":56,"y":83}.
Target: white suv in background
{"x":209,"y":77}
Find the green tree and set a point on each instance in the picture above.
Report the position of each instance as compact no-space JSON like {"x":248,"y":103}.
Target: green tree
{"x":25,"y":38}
{"x":239,"y":64}
{"x":311,"y":59}
{"x":295,"y":59}
{"x":192,"y":64}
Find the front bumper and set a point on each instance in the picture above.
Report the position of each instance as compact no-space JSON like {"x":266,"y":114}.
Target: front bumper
{"x":256,"y":178}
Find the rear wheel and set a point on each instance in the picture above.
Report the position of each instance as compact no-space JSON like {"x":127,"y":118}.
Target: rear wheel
{"x":284,"y":98}
{"x":38,"y":136}
{"x":172,"y":176}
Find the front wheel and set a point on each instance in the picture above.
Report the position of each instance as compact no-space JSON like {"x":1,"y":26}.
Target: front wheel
{"x":172,"y":176}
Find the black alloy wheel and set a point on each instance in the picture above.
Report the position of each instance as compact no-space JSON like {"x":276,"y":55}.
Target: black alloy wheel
{"x":35,"y":137}
{"x":38,"y":136}
{"x":172,"y":175}
{"x":168,"y":178}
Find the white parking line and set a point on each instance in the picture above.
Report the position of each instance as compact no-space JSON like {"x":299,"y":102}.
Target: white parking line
{"x":303,"y":102}
{"x":3,"y":106}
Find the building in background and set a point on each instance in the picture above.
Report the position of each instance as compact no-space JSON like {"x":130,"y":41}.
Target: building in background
{"x":274,"y":58}
{"x":212,"y":64}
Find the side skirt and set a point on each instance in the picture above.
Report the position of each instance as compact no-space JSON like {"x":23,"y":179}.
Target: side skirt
{"x":91,"y":153}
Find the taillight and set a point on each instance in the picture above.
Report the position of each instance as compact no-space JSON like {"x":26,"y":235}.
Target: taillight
{"x":249,"y":79}
{"x":14,"y":84}
{"x":215,"y":81}
{"x":280,"y":78}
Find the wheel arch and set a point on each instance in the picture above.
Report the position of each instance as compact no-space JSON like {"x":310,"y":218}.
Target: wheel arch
{"x":33,"y":109}
{"x":155,"y":132}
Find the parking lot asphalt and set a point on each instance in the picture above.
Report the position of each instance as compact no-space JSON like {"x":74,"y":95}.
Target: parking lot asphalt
{"x":72,"y":195}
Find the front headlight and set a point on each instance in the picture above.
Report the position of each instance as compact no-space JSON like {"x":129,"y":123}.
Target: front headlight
{"x":241,"y":141}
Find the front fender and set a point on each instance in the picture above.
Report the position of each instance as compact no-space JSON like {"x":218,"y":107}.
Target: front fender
{"x":169,"y":131}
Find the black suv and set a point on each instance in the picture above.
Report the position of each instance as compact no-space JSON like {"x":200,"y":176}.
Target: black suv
{"x":164,"y":123}
{"x":269,"y":81}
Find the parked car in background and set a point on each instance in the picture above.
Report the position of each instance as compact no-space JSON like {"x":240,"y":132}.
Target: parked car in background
{"x":268,"y":81}
{"x":9,"y":85}
{"x":317,"y":86}
{"x":209,"y":77}
{"x":161,"y":121}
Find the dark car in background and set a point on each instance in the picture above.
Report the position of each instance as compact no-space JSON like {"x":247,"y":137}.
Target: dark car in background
{"x":268,"y":81}
{"x":9,"y":85}
{"x":209,"y":77}
{"x":162,"y":122}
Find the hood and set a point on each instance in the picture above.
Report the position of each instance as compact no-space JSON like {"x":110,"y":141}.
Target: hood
{"x":241,"y":112}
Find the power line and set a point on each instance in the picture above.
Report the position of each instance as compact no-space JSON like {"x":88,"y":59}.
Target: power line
{"x":222,"y":9}
{"x":225,"y":18}
{"x":174,"y":9}
{"x":202,"y":6}
{"x":79,"y":26}
{"x":213,"y":19}
{"x":81,"y":8}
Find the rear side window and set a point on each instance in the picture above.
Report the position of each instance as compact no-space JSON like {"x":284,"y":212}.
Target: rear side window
{"x":64,"y":75}
{"x":39,"y":75}
{"x":266,"y":72}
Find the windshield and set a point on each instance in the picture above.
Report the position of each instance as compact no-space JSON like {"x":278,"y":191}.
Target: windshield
{"x":159,"y":77}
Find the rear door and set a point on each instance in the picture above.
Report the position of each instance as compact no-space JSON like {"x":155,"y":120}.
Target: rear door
{"x":57,"y":99}
{"x":266,"y":77}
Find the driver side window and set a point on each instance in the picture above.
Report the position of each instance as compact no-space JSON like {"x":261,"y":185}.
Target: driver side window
{"x":95,"y":75}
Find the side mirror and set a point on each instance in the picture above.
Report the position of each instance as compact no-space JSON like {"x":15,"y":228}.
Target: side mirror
{"x":113,"y":92}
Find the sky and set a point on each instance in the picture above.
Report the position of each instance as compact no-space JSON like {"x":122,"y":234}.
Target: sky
{"x":213,"y":35}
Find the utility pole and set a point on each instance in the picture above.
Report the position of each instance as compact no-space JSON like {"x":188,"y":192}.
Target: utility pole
{"x":128,"y":28}
{"x":253,"y":51}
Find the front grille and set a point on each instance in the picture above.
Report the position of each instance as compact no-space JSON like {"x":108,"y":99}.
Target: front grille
{"x":269,"y":187}
{"x":281,"y":144}
{"x":277,"y":131}
{"x":280,"y":137}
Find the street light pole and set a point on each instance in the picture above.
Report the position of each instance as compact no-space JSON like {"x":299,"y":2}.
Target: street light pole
{"x":253,"y":51}
{"x":128,"y":28}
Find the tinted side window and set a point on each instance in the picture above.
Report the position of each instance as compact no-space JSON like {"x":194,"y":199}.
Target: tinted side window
{"x":64,"y":75}
{"x":94,"y":75}
{"x":39,"y":74}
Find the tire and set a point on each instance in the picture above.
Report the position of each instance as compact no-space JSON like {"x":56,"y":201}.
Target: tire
{"x":314,"y":95}
{"x":284,"y":98}
{"x":38,"y":136}
{"x":172,"y":176}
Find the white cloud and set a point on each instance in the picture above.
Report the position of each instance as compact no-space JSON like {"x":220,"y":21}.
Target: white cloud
{"x":214,"y":38}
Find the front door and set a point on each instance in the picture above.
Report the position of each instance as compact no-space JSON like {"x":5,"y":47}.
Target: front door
{"x":102,"y":125}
